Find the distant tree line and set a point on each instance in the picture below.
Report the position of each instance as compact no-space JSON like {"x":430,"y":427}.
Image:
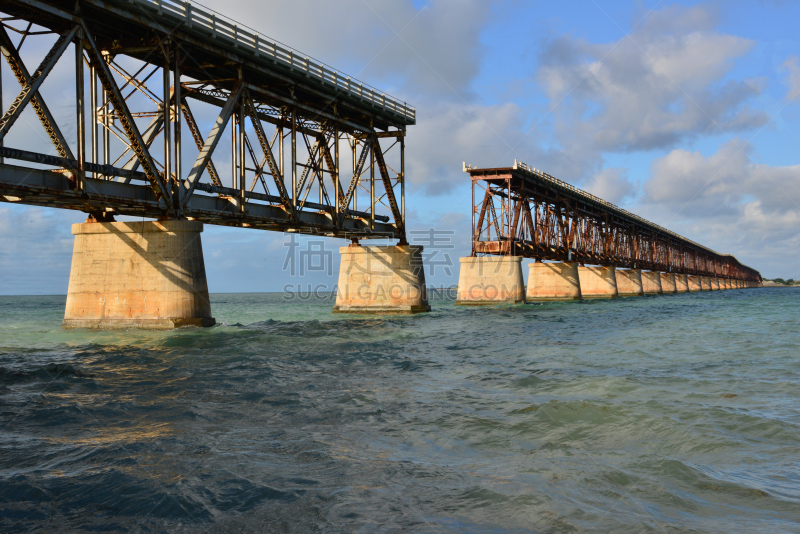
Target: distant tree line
{"x":789,"y":282}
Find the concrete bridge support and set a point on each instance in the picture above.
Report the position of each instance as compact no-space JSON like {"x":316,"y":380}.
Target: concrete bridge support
{"x":146,"y":275}
{"x":705,"y":283}
{"x":651,"y":283}
{"x":682,"y":283}
{"x":553,"y":281}
{"x":714,"y":283}
{"x":629,"y":282}
{"x":598,"y":282}
{"x":668,"y":283}
{"x":490,"y":280}
{"x":383,"y":280}
{"x":695,"y":283}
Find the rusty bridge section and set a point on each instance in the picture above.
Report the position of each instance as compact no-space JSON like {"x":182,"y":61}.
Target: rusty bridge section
{"x":304,"y":147}
{"x":522,"y":211}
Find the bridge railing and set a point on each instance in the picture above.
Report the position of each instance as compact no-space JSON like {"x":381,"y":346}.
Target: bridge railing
{"x":219,"y":27}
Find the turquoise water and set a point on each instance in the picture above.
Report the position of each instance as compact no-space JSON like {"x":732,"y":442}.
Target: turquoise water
{"x":676,"y":413}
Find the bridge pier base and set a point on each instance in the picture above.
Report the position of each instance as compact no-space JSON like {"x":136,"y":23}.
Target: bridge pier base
{"x":629,"y":282}
{"x":705,"y":283}
{"x":714,"y":283}
{"x":668,"y":283}
{"x":490,"y":280}
{"x":147,"y":275}
{"x":695,"y":283}
{"x":553,"y":281}
{"x":651,"y":283}
{"x":383,"y":280}
{"x":681,"y":283}
{"x":598,"y":282}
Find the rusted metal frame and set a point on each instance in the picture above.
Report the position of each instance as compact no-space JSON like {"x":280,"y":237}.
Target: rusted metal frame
{"x":387,"y":184}
{"x":31,"y":87}
{"x":478,"y":228}
{"x":210,"y":144}
{"x":274,"y":170}
{"x":37,"y":102}
{"x":124,"y":115}
{"x":514,"y":236}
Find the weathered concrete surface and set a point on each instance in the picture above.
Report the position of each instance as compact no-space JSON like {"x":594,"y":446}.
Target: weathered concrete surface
{"x":668,"y":283}
{"x":682,"y":283}
{"x":629,"y":282}
{"x":598,"y":282}
{"x":553,"y":281}
{"x":727,"y":282}
{"x":651,"y":282}
{"x":715,"y":283}
{"x":705,"y":283}
{"x":695,"y":283}
{"x":490,"y":280}
{"x":385,"y":280}
{"x":146,"y":275}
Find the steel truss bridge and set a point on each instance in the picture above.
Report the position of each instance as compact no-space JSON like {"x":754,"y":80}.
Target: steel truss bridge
{"x":311,"y":149}
{"x":522,"y":211}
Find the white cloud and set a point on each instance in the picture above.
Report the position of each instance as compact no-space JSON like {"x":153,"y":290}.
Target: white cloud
{"x":792,"y":78}
{"x":611,"y":184}
{"x":662,"y":84}
{"x":729,"y":203}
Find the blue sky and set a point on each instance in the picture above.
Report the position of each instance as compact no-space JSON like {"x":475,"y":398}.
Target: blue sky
{"x":678,"y":111}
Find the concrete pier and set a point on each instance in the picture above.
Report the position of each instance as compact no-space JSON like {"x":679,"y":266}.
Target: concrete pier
{"x":629,"y":282}
{"x":714,"y":283}
{"x":695,"y":282}
{"x":383,"y":280}
{"x":651,"y":282}
{"x":598,"y":282}
{"x":668,"y":283}
{"x":705,"y":283}
{"x":147,"y":275}
{"x":682,"y":283}
{"x":490,"y":280}
{"x":553,"y":281}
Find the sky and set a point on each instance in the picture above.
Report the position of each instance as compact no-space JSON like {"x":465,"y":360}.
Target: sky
{"x":684,"y":113}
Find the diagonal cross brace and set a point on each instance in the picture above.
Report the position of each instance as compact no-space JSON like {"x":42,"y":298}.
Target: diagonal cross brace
{"x":198,"y":140}
{"x":23,"y":77}
{"x":138,"y":145}
{"x":32,"y":84}
{"x":312,"y":156}
{"x":149,"y":135}
{"x":211,"y":143}
{"x":356,"y":175}
{"x":273,"y":167}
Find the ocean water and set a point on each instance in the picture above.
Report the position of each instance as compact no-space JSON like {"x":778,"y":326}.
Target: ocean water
{"x":678,"y":413}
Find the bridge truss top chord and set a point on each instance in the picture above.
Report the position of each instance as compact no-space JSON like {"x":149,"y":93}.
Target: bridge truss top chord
{"x":307,"y":143}
{"x":522,"y":211}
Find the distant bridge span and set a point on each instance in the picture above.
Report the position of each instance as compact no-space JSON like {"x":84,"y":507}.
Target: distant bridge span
{"x":139,"y":64}
{"x":522,"y":211}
